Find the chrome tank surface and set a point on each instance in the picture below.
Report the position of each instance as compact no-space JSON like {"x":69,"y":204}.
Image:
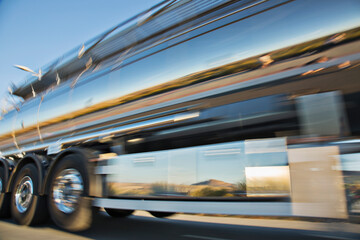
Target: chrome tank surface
{"x":227,"y":56}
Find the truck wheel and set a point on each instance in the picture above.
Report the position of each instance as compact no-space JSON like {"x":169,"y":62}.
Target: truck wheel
{"x":4,"y":197}
{"x":118,"y":213}
{"x":161,"y":214}
{"x":69,"y":204}
{"x":27,"y":207}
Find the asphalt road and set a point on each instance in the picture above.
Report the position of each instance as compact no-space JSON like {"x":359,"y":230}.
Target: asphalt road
{"x":185,"y":227}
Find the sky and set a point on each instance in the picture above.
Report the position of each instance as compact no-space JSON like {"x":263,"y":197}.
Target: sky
{"x":35,"y":32}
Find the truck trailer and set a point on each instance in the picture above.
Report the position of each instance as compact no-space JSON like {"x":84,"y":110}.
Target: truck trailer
{"x":247,"y":107}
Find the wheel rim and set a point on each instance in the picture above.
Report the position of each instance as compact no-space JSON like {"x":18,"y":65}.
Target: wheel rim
{"x":67,"y":189}
{"x":24,"y":194}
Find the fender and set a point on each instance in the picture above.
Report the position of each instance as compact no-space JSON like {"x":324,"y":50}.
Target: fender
{"x":40,"y":162}
{"x":87,"y":154}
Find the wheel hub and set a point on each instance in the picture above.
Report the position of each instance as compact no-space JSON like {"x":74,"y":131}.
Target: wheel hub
{"x":24,"y":194}
{"x":67,"y":189}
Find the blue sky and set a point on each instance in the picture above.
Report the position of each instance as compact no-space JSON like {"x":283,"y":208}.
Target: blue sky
{"x":36,"y":32}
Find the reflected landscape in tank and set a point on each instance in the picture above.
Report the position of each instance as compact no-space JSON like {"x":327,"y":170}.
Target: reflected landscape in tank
{"x":222,"y":170}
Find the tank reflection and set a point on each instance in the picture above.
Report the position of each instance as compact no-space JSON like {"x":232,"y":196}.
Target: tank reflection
{"x":267,"y":180}
{"x":224,"y":170}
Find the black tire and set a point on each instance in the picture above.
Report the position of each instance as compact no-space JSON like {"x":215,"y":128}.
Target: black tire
{"x":36,"y":211}
{"x":4,"y":197}
{"x":80,"y":218}
{"x":118,"y":213}
{"x":161,"y":214}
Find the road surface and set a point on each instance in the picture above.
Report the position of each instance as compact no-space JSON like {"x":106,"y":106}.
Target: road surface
{"x":186,"y":227}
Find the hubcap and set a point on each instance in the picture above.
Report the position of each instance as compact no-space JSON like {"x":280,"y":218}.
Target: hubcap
{"x":24,"y":194}
{"x":67,"y":189}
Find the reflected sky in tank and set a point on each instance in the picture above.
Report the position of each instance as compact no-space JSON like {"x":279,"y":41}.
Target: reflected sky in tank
{"x":277,"y":28}
{"x":284,"y":26}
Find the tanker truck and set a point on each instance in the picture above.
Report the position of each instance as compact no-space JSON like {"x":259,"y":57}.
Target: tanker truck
{"x":218,"y":107}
